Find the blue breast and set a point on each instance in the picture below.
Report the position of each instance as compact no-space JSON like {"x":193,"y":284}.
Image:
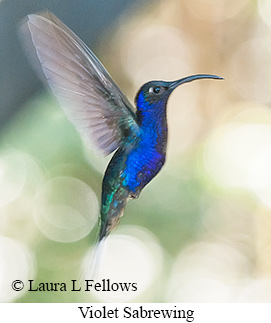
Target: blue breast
{"x":146,"y":159}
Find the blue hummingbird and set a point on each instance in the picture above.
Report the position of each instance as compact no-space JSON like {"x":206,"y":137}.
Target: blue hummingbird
{"x":103,"y":115}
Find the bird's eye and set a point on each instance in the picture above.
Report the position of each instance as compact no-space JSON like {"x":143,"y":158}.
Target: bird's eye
{"x":155,"y":89}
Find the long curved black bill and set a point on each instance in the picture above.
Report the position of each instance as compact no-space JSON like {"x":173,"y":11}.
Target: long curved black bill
{"x":191,"y":78}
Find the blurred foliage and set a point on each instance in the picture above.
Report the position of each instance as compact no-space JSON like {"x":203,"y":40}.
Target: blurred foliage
{"x":200,"y":230}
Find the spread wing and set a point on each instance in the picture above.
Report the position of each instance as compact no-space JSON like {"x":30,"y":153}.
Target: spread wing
{"x":90,"y":98}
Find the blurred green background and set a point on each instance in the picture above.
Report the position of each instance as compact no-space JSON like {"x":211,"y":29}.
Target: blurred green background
{"x":200,"y":231}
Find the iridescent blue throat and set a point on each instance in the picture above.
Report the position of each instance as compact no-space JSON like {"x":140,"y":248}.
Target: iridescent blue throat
{"x":148,"y":156}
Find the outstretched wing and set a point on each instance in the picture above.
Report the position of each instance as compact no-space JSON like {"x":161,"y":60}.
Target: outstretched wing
{"x":90,"y":98}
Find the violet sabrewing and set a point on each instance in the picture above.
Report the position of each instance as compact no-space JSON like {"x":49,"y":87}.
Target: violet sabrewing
{"x":103,"y":115}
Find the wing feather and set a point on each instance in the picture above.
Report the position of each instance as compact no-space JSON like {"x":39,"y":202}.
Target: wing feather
{"x":88,"y":95}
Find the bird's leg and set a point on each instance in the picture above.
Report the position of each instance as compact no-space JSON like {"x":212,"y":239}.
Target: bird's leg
{"x":135,"y":195}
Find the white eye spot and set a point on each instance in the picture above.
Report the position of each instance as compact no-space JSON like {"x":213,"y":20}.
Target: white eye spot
{"x":155,"y":89}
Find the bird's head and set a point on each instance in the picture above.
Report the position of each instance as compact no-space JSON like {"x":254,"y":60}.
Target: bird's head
{"x":156,"y":93}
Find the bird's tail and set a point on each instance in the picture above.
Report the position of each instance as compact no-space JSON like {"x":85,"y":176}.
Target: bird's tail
{"x":92,"y":265}
{"x":110,"y":224}
{"x":110,"y":221}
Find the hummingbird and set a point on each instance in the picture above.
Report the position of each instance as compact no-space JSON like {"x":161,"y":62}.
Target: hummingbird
{"x":103,"y":115}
